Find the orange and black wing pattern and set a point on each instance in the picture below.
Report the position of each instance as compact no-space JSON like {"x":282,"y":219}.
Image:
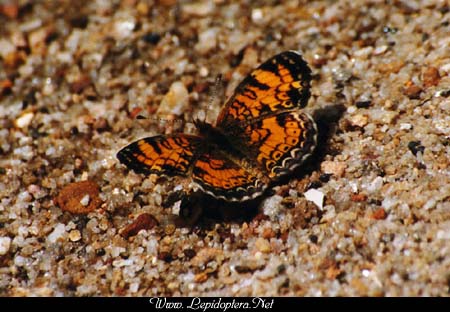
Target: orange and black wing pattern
{"x":221,"y":177}
{"x":280,"y":83}
{"x":163,"y":155}
{"x":260,"y":135}
{"x":280,"y":142}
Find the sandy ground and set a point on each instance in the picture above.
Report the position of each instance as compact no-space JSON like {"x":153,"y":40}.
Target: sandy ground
{"x":75,"y":77}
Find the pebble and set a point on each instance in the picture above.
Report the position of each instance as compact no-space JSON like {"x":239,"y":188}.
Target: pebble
{"x":272,"y":205}
{"x":144,"y":221}
{"x":5,"y":243}
{"x":85,"y":200}
{"x":382,"y":116}
{"x":10,"y":10}
{"x":79,"y":197}
{"x":257,"y":15}
{"x":316,"y":197}
{"x":6,"y":48}
{"x":375,"y":185}
{"x":380,"y":50}
{"x":412,"y":91}
{"x":336,"y":168}
{"x":359,"y":120}
{"x":74,"y":235}
{"x":262,"y":245}
{"x":123,"y":29}
{"x":415,"y":147}
{"x":446,"y":68}
{"x":5,"y":86}
{"x":405,"y":126}
{"x":207,"y":41}
{"x":175,"y":101}
{"x":58,"y":233}
{"x":379,"y":214}
{"x":24,"y":120}
{"x":431,"y":77}
{"x":201,"y":8}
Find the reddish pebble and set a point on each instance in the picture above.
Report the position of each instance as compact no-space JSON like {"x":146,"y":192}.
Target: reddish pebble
{"x":79,"y":85}
{"x":412,"y":91}
{"x":358,"y":197}
{"x":144,"y":221}
{"x":431,"y":77}
{"x":10,"y":10}
{"x":79,"y":197}
{"x":379,"y":214}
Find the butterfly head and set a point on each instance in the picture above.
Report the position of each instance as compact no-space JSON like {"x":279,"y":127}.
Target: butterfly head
{"x":202,"y":126}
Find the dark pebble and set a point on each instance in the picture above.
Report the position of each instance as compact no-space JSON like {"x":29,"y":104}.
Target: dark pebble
{"x":363,"y":104}
{"x":100,"y":252}
{"x":242,"y":269}
{"x":189,"y":253}
{"x":325,"y":177}
{"x":415,"y":147}
{"x":314,"y":185}
{"x":152,"y":38}
{"x":79,"y":21}
{"x":391,"y":30}
{"x":313,"y":238}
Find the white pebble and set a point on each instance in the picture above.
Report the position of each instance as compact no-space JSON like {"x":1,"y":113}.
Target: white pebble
{"x":124,"y":28}
{"x":405,"y":126}
{"x":441,"y":234}
{"x":364,"y":52}
{"x":25,"y":152}
{"x":315,"y":196}
{"x":207,"y":40}
{"x":85,"y":200}
{"x":375,"y":185}
{"x":203,"y":72}
{"x":24,"y":196}
{"x":445,"y":68}
{"x":5,"y":243}
{"x":19,"y":261}
{"x":389,"y":202}
{"x":24,"y":120}
{"x":271,"y":206}
{"x":58,"y":232}
{"x":50,"y":151}
{"x":6,"y":47}
{"x":351,"y":109}
{"x":134,"y":287}
{"x":380,"y":50}
{"x":431,"y":203}
{"x":257,"y":15}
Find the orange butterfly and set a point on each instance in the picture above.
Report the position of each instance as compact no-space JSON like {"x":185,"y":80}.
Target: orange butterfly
{"x":260,"y":135}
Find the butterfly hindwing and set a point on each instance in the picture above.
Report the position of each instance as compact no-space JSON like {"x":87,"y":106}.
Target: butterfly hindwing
{"x":279,"y":142}
{"x":221,"y":177}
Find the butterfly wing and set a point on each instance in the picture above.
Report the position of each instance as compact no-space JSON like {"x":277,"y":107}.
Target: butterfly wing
{"x":221,"y":177}
{"x":280,"y":142}
{"x":165,"y":155}
{"x":191,"y":156}
{"x":280,"y":83}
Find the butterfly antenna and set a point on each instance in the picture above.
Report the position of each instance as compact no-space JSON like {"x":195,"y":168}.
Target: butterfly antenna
{"x":213,"y":95}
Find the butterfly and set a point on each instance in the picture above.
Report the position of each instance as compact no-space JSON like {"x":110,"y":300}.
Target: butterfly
{"x":260,"y":135}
